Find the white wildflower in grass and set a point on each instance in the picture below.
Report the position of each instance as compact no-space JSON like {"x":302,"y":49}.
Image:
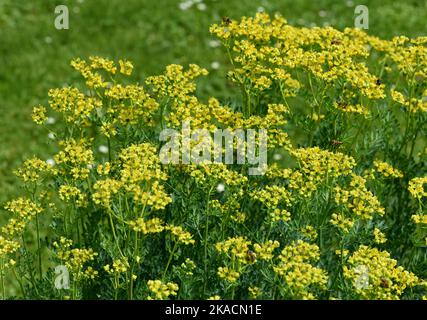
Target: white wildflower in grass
{"x":201,"y":6}
{"x":277,"y":156}
{"x":214,"y":43}
{"x":103,"y":149}
{"x":185,"y":5}
{"x":220,"y":187}
{"x":50,"y":120}
{"x":215,"y":65}
{"x":50,"y":162}
{"x":51,"y":136}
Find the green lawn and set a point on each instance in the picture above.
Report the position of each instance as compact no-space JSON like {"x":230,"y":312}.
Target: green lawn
{"x":34,"y":56}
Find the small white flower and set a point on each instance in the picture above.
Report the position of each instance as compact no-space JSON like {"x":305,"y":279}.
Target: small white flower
{"x":201,"y":6}
{"x":260,"y":9}
{"x":214,"y":43}
{"x":277,"y":156}
{"x":215,"y":65}
{"x":185,"y":5}
{"x":322,"y":13}
{"x":50,"y":120}
{"x":51,"y":136}
{"x":50,"y":162}
{"x":350,"y":3}
{"x":103,"y":149}
{"x":48,"y":40}
{"x":89,"y":166}
{"x":220,"y":187}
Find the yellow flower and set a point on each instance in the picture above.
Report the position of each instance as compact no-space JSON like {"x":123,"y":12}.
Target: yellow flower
{"x":297,"y":271}
{"x":416,"y":187}
{"x":228,"y":274}
{"x":126,"y":67}
{"x":33,"y":169}
{"x":265,"y":250}
{"x":340,"y":221}
{"x":379,"y":236}
{"x":154,"y":225}
{"x":162,"y":290}
{"x":386,"y":170}
{"x":180,"y":234}
{"x":254,"y":292}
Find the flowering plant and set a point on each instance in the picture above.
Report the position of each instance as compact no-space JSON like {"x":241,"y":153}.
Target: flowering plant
{"x":338,"y":213}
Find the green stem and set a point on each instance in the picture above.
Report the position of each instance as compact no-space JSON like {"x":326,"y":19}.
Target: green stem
{"x":2,"y":280}
{"x":114,"y":232}
{"x":206,"y":239}
{"x":169,"y":260}
{"x":38,"y":246}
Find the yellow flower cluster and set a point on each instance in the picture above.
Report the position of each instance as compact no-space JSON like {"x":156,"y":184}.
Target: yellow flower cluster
{"x":315,"y":162}
{"x":154,"y":225}
{"x":309,"y":232}
{"x":268,"y":49}
{"x":7,"y":247}
{"x":32,"y":170}
{"x":118,"y":266}
{"x":298,"y":272}
{"x":358,"y":199}
{"x":254,"y":292}
{"x":342,"y":222}
{"x":73,"y":104}
{"x":162,"y":290}
{"x":236,"y":248}
{"x":180,"y":235}
{"x":272,"y":196}
{"x":104,"y":190}
{"x":379,"y":237}
{"x":228,"y":274}
{"x":140,"y":165}
{"x":264,"y":251}
{"x":23,"y":208}
{"x":188,"y":266}
{"x":39,"y":114}
{"x":76,"y":259}
{"x":385,"y":280}
{"x":131,"y":104}
{"x":71,"y":193}
{"x":419,"y":219}
{"x":75,"y":157}
{"x":176,"y":82}
{"x":387,"y":170}
{"x":213,"y":173}
{"x":413,"y":105}
{"x":416,"y":187}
